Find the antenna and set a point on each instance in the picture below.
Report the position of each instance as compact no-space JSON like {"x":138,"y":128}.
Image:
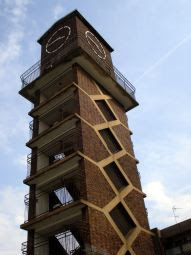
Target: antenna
{"x":174,"y":213}
{"x":174,"y":209}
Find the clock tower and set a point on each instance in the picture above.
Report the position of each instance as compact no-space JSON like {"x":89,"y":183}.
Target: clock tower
{"x":85,"y":195}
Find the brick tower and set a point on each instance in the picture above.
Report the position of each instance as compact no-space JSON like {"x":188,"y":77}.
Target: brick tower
{"x":85,"y":195}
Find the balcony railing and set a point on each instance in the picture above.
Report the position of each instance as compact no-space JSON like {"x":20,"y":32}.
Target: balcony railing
{"x":52,"y":200}
{"x":63,"y":243}
{"x":33,"y":157}
{"x":36,"y":70}
{"x":68,"y":144}
{"x":31,"y":129}
{"x":58,"y":117}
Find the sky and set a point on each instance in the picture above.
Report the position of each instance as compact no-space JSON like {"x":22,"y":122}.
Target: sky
{"x":152,"y":42}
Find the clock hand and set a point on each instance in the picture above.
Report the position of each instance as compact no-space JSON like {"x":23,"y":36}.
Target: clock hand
{"x":65,"y":28}
{"x":60,"y":37}
{"x":100,"y":50}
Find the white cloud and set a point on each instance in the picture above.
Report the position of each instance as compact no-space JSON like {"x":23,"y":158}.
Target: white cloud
{"x":166,"y":157}
{"x":14,"y":12}
{"x":13,"y":121}
{"x":11,"y":216}
{"x":12,"y":124}
{"x":165,"y":167}
{"x":160,"y":203}
{"x":58,"y":11}
{"x":21,"y":160}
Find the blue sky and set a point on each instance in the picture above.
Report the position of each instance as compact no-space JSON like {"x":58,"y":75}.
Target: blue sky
{"x":152,"y":42}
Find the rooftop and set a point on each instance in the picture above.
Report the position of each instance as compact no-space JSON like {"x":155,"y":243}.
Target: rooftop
{"x":176,"y":229}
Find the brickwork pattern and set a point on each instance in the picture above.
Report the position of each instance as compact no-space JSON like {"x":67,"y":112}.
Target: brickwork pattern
{"x":129,"y":166}
{"x":103,"y":235}
{"x":118,"y":110}
{"x":124,"y":137}
{"x":86,"y":82}
{"x":92,"y":145}
{"x":134,"y":201}
{"x":99,"y":191}
{"x":88,"y":109}
{"x":143,"y":244}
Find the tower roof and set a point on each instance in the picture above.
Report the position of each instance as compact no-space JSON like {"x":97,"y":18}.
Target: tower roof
{"x":79,"y":15}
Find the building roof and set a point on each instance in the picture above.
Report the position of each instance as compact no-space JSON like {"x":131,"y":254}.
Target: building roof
{"x":79,"y":15}
{"x":176,"y":229}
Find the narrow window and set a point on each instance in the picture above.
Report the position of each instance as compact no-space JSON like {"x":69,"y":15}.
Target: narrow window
{"x":110,"y":140}
{"x":104,"y":108}
{"x":116,"y":176}
{"x":122,"y":219}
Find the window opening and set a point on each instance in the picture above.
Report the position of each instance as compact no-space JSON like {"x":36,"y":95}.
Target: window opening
{"x":122,"y":219}
{"x":116,"y":176}
{"x":110,"y":140}
{"x":108,"y":114}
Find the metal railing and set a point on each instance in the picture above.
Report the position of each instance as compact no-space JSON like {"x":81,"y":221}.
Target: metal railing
{"x":36,"y":70}
{"x":29,"y":160}
{"x":33,"y":132}
{"x":64,"y":241}
{"x":50,"y":201}
{"x":71,"y":142}
{"x":31,"y":129}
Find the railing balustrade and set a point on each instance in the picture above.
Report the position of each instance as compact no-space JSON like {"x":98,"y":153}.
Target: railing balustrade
{"x":33,"y":132}
{"x":69,"y":143}
{"x":37,"y":69}
{"x":49,"y":201}
{"x":31,"y":129}
{"x":54,"y":244}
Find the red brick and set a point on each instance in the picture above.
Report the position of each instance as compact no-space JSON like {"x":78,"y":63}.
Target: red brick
{"x":92,"y":145}
{"x":135,"y":202}
{"x":103,"y":236}
{"x":130,"y":168}
{"x":99,"y":192}
{"x":119,"y":111}
{"x":88,"y":110}
{"x":86,"y":82}
{"x":124,"y":137}
{"x":143,"y":244}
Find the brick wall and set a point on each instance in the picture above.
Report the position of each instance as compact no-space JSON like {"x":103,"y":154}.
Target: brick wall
{"x":129,"y":166}
{"x":124,"y":137}
{"x":103,"y":236}
{"x":88,"y":110}
{"x":82,"y":28}
{"x":99,"y":191}
{"x":92,"y":145}
{"x":86,"y":82}
{"x":119,"y":111}
{"x":135,"y":202}
{"x":143,"y":244}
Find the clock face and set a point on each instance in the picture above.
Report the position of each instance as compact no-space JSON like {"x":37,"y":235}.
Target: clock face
{"x":58,"y":39}
{"x":95,"y":45}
